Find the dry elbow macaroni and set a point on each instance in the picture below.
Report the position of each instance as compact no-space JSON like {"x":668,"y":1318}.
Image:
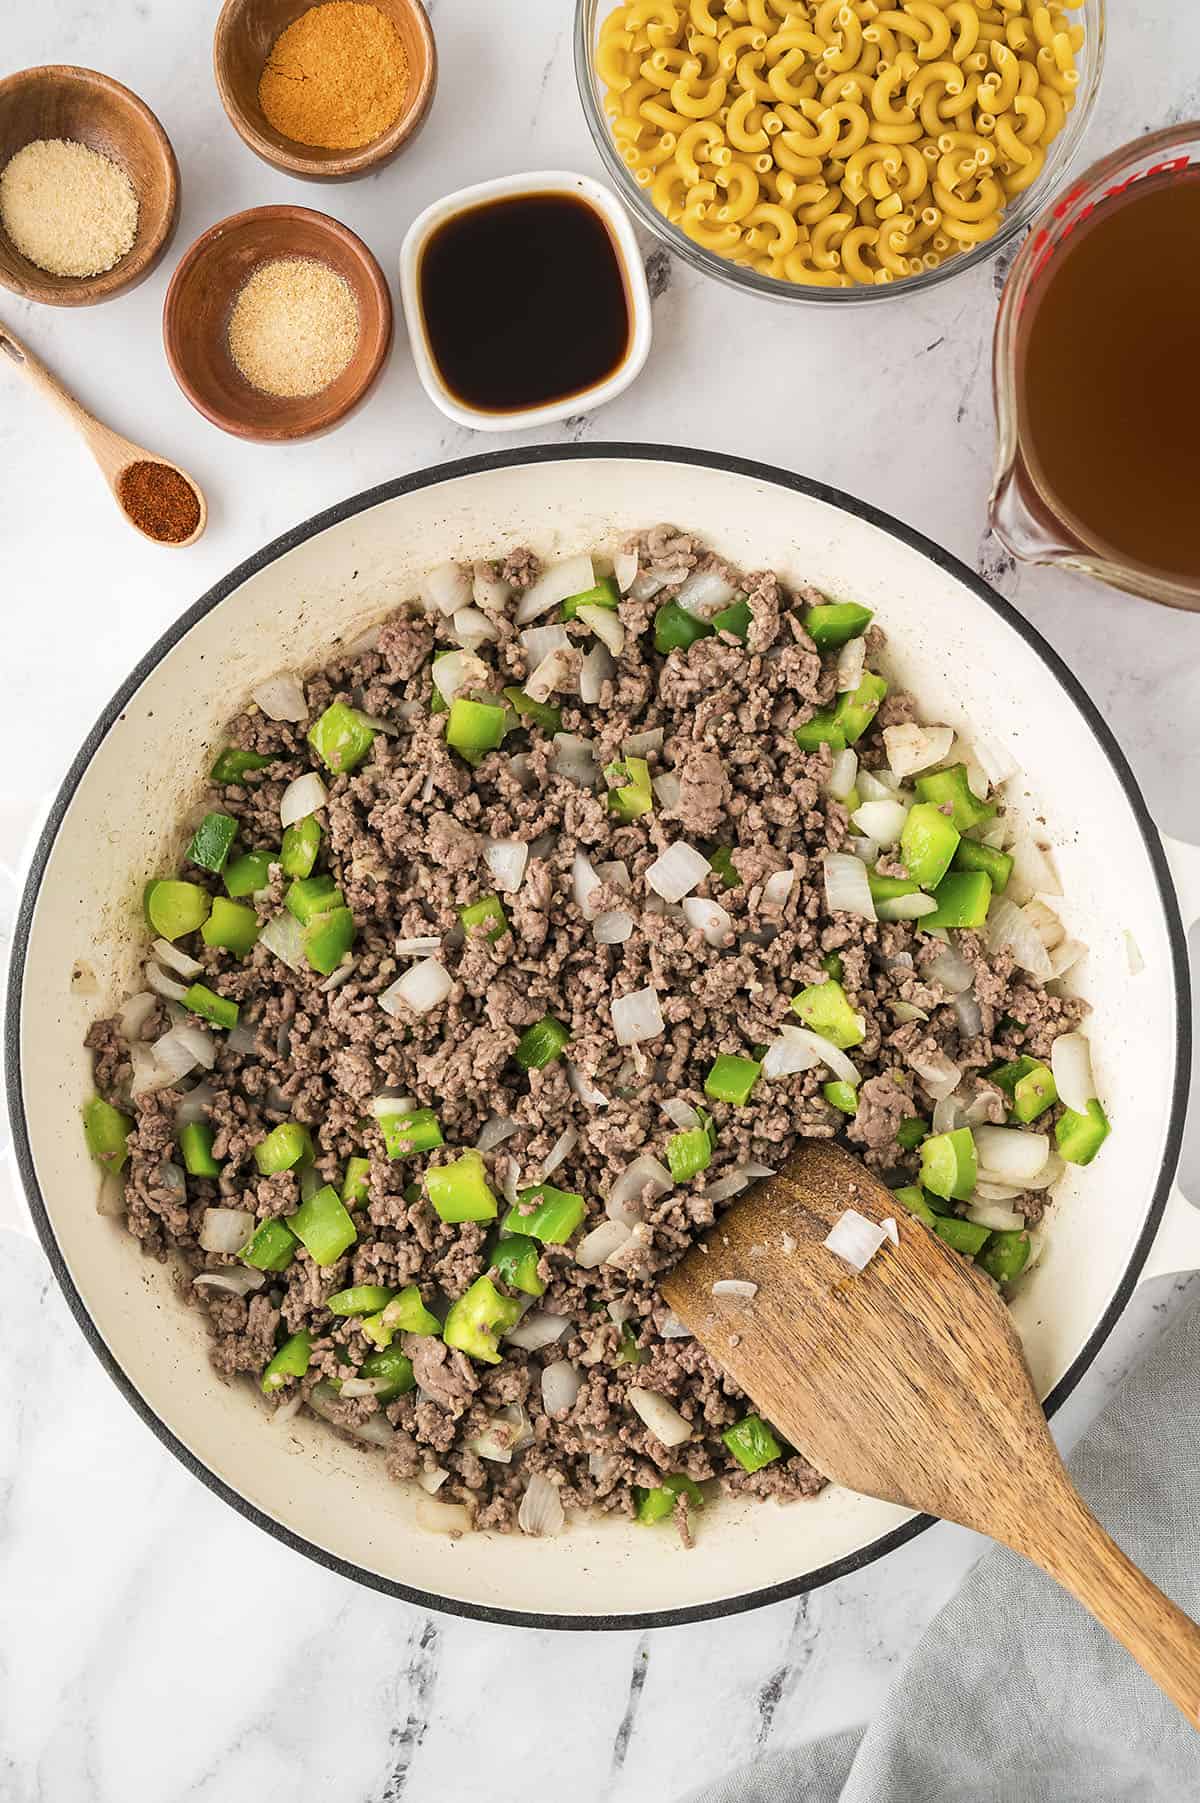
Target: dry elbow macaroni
{"x":832,"y":142}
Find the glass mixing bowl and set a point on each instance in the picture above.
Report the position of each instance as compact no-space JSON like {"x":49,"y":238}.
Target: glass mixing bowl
{"x":588,"y":17}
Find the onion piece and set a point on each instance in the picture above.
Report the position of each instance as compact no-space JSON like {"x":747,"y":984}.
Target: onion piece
{"x":905,"y":1012}
{"x":539,"y":641}
{"x":681,"y":1114}
{"x":562,"y":1148}
{"x":969,"y":1013}
{"x":708,"y":918}
{"x":847,"y":890}
{"x":598,"y":1246}
{"x":646,"y":1173}
{"x":660,"y":1416}
{"x":940,"y":1075}
{"x":418,"y":948}
{"x":871,"y":787}
{"x":1064,"y":956}
{"x":1012,"y":1154}
{"x":641,"y":744}
{"x":652,"y":582}
{"x":605,"y":622}
{"x":906,"y":907}
{"x":949,"y":1113}
{"x":855,"y":1239}
{"x":882,"y":821}
{"x":575,"y":758}
{"x":488,"y":590}
{"x":134,"y":1012}
{"x":597,"y":669}
{"x":186,"y":1039}
{"x":163,"y":985}
{"x":911,"y":748}
{"x":790,"y":1054}
{"x":582,"y":1086}
{"x":677,"y":871}
{"x":740,"y":1177}
{"x":666,"y":786}
{"x":506,"y":860}
{"x":1133,"y":955}
{"x":705,"y":593}
{"x":171,"y":958}
{"x":541,"y":1510}
{"x":865,"y":850}
{"x":373,"y":1386}
{"x":777,"y":888}
{"x":471,"y":627}
{"x":303,"y":796}
{"x":423,"y":987}
{"x":625,"y":569}
{"x":284,"y":937}
{"x":432,"y":1481}
{"x":994,"y":759}
{"x":951,"y":970}
{"x":1071,"y":1062}
{"x":1033,"y":871}
{"x":282,"y":697}
{"x":553,"y":586}
{"x":195,"y":1104}
{"x":672,"y":1328}
{"x":241,"y":1280}
{"x":445,"y":589}
{"x":995,"y":1216}
{"x":740,"y":1287}
{"x":561,"y":1384}
{"x":495,"y":1130}
{"x":442,"y":1518}
{"x":843,"y":772}
{"x":1007,"y":925}
{"x":637,"y":1016}
{"x":557,"y":671}
{"x":225,"y":1229}
{"x":456,"y":671}
{"x":986,"y":1191}
{"x":612,"y":927}
{"x":1049,"y":1174}
{"x":584,"y":883}
{"x":851,"y":662}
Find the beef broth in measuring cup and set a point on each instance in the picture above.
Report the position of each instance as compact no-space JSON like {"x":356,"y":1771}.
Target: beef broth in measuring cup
{"x":1098,"y":376}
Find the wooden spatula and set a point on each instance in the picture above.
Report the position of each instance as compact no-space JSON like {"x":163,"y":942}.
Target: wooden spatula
{"x":906,"y":1381}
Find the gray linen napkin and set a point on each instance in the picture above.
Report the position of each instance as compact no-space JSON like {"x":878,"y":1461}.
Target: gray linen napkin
{"x":1015,"y":1695}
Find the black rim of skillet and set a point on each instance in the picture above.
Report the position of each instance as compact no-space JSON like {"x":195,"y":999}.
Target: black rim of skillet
{"x":430,"y":478}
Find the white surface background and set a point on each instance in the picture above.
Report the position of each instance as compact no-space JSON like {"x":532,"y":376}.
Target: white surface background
{"x":152,"y":1644}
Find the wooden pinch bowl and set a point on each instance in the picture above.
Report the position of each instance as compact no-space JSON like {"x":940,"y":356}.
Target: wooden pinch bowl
{"x":245,"y":33}
{"x":200,"y":300}
{"x":60,"y":101}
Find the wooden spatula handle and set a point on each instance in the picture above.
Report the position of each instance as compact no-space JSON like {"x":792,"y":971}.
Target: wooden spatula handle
{"x":1074,"y":1549}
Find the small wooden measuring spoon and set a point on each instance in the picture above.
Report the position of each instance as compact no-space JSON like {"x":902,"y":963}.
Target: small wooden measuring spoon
{"x":906,"y":1381}
{"x":114,"y":454}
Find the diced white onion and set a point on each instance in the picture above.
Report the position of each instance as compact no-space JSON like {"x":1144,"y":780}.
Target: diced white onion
{"x":855,"y":1239}
{"x":243,"y":1038}
{"x":847,"y":890}
{"x":539,"y":641}
{"x":1064,"y":956}
{"x":605,"y":622}
{"x":584,"y":883}
{"x":890,"y":1228}
{"x":994,"y":759}
{"x":905,"y":1012}
{"x":951,"y":970}
{"x":790,"y":1054}
{"x":582,"y":1086}
{"x":672,"y":1328}
{"x":940,"y":1075}
{"x":284,"y":937}
{"x":172,"y":958}
{"x":986,"y":1191}
{"x":620,"y":1311}
{"x":594,"y":672}
{"x":865,"y":850}
{"x":561,"y":1384}
{"x":777,"y":888}
{"x":441,"y":1518}
{"x":906,"y":907}
{"x":302,"y":797}
{"x":1049,"y":1174}
{"x":1133,"y":955}
{"x":995,"y":1216}
{"x":195,"y":1104}
{"x":882,"y":821}
{"x":645,"y":1174}
{"x":457,"y":671}
{"x":949,"y":1114}
{"x":1012,"y":1154}
{"x":370,"y":1386}
{"x":495,"y":1130}
{"x":187,"y":1041}
{"x":1071,"y":1062}
{"x":163,"y":985}
{"x":842,"y":774}
{"x":625,"y":569}
{"x":446,"y":588}
{"x":612,"y":927}
{"x":705,"y":593}
{"x":553,"y":586}
{"x":652,"y":582}
{"x":240,"y":1280}
{"x":562,"y":1148}
{"x":1033,"y":871}
{"x":735,"y":1181}
{"x":681,"y":1114}
{"x":135,"y":1012}
{"x":575,"y":759}
{"x":851,"y":662}
{"x":739,"y":1287}
{"x":387,"y":1104}
{"x":677,"y":871}
{"x":637,"y":1016}
{"x":504,"y":1434}
{"x":660,"y":1416}
{"x":432,"y":1481}
{"x":506,"y":860}
{"x":418,"y":948}
{"x":641,"y":744}
{"x":282,"y":697}
{"x":1045,"y":923}
{"x":556,"y":671}
{"x":826,"y":1052}
{"x":911,"y":748}
{"x":709,"y":918}
{"x":541,"y":1510}
{"x":225,"y":1229}
{"x":424,"y":986}
{"x":666,"y":787}
{"x":1008,"y":926}
{"x":969,"y":1013}
{"x":489,"y":590}
{"x":598,"y":1246}
{"x":471,"y":627}
{"x":872,"y":786}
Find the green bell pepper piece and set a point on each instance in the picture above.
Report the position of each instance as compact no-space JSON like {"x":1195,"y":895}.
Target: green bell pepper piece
{"x":604,"y":594}
{"x":950,"y":788}
{"x":211,"y":842}
{"x":831,"y":623}
{"x":1006,"y":1255}
{"x":249,"y":873}
{"x":553,"y":1220}
{"x":949,"y":1164}
{"x":476,"y":1321}
{"x":658,"y":1504}
{"x":890,"y":888}
{"x":283,"y":1149}
{"x":841,"y":1095}
{"x":196,"y":1149}
{"x":404,"y":1134}
{"x":106,"y":1131}
{"x":732,"y":1078}
{"x":996,"y":864}
{"x":341,"y":738}
{"x":356,"y":1185}
{"x":831,"y":964}
{"x":628,"y":1351}
{"x":405,"y":1313}
{"x":233,"y":764}
{"x":211,"y":1007}
{"x":393,"y":1366}
{"x":1080,"y":1136}
{"x":963,"y":898}
{"x":474,"y":727}
{"x":515,"y":1259}
{"x":735,"y":619}
{"x":327,"y":939}
{"x":675,"y":628}
{"x":721,"y":859}
{"x":459,"y":1191}
{"x":540,"y":1044}
{"x":176,"y":908}
{"x":911,"y":1132}
{"x":478,"y":913}
{"x":912,"y":1197}
{"x":541,"y":713}
{"x":927,"y":844}
{"x":856,"y":710}
{"x":1029,"y":1085}
{"x":309,"y":896}
{"x":271,"y":1247}
{"x":232,"y":926}
{"x":301,"y":843}
{"x":634,"y":795}
{"x":324,"y":1226}
{"x":822,"y":729}
{"x":292,"y":1360}
{"x":752,"y":1443}
{"x":825,"y":1009}
{"x":689,"y":1153}
{"x":360,"y":1299}
{"x":963,"y":1236}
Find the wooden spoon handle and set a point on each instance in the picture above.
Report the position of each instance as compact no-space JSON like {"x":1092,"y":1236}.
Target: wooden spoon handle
{"x":111,"y":451}
{"x":1074,"y":1549}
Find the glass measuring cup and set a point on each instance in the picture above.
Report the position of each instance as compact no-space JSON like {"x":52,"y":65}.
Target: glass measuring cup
{"x":1028,"y":519}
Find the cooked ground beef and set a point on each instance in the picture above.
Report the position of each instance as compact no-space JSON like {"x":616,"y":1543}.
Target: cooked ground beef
{"x":404,"y":837}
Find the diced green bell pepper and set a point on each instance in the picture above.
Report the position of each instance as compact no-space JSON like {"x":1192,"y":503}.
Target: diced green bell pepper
{"x":1080,"y":1136}
{"x":176,"y":908}
{"x":479,"y":913}
{"x":327,"y":939}
{"x":292,"y":1360}
{"x":359,"y":1299}
{"x":634,"y":795}
{"x":395,"y":1367}
{"x":271,"y":1247}
{"x":949,"y":1164}
{"x":233,"y":764}
{"x":405,"y":1313}
{"x":196,"y":1149}
{"x":841,"y":1095}
{"x":404,"y":1134}
{"x":856,"y":710}
{"x":541,"y":713}
{"x":341,"y":738}
{"x":232,"y":926}
{"x":553,"y":1219}
{"x":831,"y":623}
{"x":283,"y":1149}
{"x":540,"y":1044}
{"x":301,"y":843}
{"x":211,"y":1007}
{"x":752,"y":1443}
{"x":604,"y":594}
{"x":912,"y":1197}
{"x":515,"y":1259}
{"x":249,"y":873}
{"x":963,"y":898}
{"x":474,"y":727}
{"x":476,"y":1321}
{"x":732,"y":1078}
{"x":324,"y":1225}
{"x":211,"y":842}
{"x":689,"y":1153}
{"x":950,"y":788}
{"x":963,"y":1236}
{"x":735,"y":619}
{"x":459,"y":1191}
{"x":927,"y":844}
{"x":356,"y":1185}
{"x":831,"y":964}
{"x":1006,"y":1255}
{"x":721,"y":859}
{"x":996,"y":864}
{"x":822,"y":729}
{"x":1029,"y":1085}
{"x":106,"y":1132}
{"x":911,"y":1132}
{"x":658,"y":1504}
{"x":675,"y":628}
{"x":309,"y":896}
{"x":890,"y":888}
{"x":825,"y":1009}
{"x":628,"y":1351}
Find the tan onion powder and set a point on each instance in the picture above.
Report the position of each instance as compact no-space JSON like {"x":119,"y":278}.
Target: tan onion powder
{"x":67,"y":208}
{"x":294,"y":327}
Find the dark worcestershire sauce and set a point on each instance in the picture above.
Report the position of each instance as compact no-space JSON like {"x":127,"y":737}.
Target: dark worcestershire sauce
{"x":524,"y":301}
{"x":1109,"y":376}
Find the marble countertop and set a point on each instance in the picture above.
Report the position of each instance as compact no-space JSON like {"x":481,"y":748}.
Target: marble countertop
{"x":153,"y":1645}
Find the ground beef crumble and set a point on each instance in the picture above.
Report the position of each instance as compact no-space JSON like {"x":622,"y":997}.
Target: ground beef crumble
{"x":404,"y":836}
